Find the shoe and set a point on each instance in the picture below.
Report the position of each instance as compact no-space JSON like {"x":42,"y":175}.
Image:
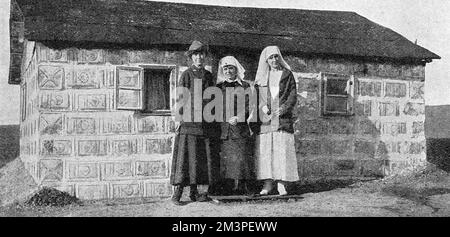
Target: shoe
{"x":178,"y":191}
{"x":281,"y":189}
{"x":196,"y":197}
{"x":215,"y":190}
{"x":193,"y":193}
{"x":178,"y":202}
{"x":267,"y":187}
{"x":203,"y":198}
{"x":238,"y":192}
{"x":242,"y":189}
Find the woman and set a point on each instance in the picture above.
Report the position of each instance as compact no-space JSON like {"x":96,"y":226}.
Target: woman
{"x":192,"y":156}
{"x":275,"y":149}
{"x":236,"y":145}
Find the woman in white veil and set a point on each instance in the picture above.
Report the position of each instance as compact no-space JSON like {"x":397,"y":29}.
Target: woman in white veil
{"x":236,"y":161}
{"x":275,"y":147}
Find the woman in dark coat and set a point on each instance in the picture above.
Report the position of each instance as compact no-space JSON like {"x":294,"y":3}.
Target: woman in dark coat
{"x":236,"y":161}
{"x":192,"y":155}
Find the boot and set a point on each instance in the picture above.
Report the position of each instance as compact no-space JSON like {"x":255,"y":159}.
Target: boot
{"x":196,"y":197}
{"x":240,"y":187}
{"x":177,"y":192}
{"x":215,"y":189}
{"x":243,"y":187}
{"x":193,"y":193}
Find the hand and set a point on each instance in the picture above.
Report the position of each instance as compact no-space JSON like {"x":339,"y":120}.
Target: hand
{"x":250,"y":118}
{"x":177,"y":127}
{"x":233,"y":120}
{"x":276,"y":113}
{"x":265,"y":109}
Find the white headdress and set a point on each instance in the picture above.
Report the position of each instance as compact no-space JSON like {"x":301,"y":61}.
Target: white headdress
{"x":263,"y":67}
{"x":229,"y":60}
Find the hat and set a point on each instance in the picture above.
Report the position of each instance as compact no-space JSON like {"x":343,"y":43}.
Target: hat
{"x":196,"y":46}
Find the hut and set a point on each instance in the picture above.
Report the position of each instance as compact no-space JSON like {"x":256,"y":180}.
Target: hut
{"x":97,"y":81}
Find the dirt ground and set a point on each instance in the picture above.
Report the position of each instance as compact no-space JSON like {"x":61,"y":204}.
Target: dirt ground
{"x":424,"y":193}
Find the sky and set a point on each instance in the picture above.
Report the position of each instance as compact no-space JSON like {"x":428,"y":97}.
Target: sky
{"x":427,"y":21}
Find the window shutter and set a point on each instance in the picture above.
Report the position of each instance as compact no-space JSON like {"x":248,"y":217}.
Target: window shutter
{"x":351,"y":95}
{"x":129,"y":91}
{"x":337,"y":94}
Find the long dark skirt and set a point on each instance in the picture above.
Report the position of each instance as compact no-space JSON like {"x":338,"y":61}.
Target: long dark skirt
{"x":236,"y":159}
{"x":190,"y":160}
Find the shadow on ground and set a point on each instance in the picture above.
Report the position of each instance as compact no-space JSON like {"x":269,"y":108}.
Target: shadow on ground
{"x":9,"y":143}
{"x":295,"y":188}
{"x":319,"y":186}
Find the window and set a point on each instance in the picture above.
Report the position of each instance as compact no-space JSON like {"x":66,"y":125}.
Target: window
{"x":337,"y":94}
{"x":145,"y":88}
{"x":157,"y":90}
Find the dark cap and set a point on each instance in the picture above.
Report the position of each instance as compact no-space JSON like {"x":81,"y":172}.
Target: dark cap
{"x":196,"y":46}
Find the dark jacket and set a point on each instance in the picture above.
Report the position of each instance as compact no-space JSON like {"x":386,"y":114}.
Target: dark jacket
{"x":187,"y":80}
{"x":287,"y":101}
{"x":241,"y":129}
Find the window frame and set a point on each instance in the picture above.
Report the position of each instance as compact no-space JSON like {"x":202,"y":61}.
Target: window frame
{"x":173,"y":76}
{"x":325,"y":97}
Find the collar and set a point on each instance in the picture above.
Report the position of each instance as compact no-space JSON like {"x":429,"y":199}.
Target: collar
{"x":284,"y":75}
{"x":195,"y":68}
{"x":280,"y":69}
{"x":237,"y":79}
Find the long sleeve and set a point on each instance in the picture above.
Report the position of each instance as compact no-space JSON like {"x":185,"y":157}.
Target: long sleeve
{"x":288,"y":105}
{"x":255,"y":121}
{"x":183,"y":82}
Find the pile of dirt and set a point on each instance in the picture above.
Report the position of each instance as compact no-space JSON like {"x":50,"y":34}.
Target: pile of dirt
{"x":52,"y":197}
{"x":421,"y":186}
{"x":16,"y":184}
{"x":429,"y":175}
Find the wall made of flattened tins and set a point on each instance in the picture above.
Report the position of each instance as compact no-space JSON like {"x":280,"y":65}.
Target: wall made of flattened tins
{"x":384,"y":136}
{"x":74,"y":138}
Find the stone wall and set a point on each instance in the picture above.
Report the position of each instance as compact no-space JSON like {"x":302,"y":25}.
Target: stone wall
{"x":74,"y":138}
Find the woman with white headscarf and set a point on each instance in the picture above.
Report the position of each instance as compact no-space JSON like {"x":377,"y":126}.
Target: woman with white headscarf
{"x":236,"y":144}
{"x":275,"y":148}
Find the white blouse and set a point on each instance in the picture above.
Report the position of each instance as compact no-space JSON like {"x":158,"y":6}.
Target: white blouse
{"x":274,"y":82}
